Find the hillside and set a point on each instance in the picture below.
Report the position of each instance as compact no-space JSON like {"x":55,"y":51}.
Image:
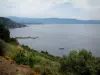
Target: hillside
{"x":10,"y":67}
{"x":10,"y":23}
{"x":16,"y":59}
{"x":52,"y":20}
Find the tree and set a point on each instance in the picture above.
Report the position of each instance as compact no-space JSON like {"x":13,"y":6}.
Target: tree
{"x":79,"y":63}
{"x":4,"y":33}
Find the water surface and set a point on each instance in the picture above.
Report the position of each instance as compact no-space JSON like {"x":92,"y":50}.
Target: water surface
{"x":55,"y":36}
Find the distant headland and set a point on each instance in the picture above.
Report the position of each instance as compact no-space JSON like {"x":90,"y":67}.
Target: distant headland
{"x":52,"y":20}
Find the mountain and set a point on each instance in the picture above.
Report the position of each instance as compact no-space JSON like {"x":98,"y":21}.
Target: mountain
{"x":52,"y":20}
{"x":10,"y":23}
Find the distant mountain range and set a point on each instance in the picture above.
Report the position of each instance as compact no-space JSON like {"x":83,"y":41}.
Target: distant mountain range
{"x":52,"y":20}
{"x":10,"y":23}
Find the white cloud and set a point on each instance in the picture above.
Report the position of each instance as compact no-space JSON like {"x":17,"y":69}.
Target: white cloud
{"x":94,"y":3}
{"x":80,"y":9}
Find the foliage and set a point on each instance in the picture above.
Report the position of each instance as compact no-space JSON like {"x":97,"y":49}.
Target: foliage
{"x":20,"y":58}
{"x":4,"y":33}
{"x":26,"y":58}
{"x":79,"y":63}
{"x":47,"y":67}
{"x":12,"y":50}
{"x":44,"y":54}
{"x":2,"y":48}
{"x":27,"y":48}
{"x":76,"y":63}
{"x":13,"y":41}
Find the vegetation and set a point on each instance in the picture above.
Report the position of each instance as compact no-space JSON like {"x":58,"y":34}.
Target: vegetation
{"x":4,"y":33}
{"x":2,"y":48}
{"x":80,"y":62}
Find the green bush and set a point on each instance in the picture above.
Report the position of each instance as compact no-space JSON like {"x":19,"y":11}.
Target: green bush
{"x":79,"y":63}
{"x":47,"y":67}
{"x":26,"y":58}
{"x":21,"y":58}
{"x":33,"y":60}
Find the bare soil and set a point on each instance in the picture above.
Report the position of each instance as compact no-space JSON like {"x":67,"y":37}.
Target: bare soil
{"x":8,"y":67}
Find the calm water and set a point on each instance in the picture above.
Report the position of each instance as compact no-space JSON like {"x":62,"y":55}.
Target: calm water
{"x":67,"y":36}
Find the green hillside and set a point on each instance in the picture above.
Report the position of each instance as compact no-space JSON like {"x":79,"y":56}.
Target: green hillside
{"x":80,"y":62}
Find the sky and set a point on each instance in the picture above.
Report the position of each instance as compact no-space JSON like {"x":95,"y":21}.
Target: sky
{"x":78,"y":9}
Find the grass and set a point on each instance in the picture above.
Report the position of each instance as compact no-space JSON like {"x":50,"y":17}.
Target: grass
{"x":12,"y":50}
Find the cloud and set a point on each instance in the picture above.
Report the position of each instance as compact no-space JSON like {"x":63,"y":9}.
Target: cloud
{"x":95,"y":13}
{"x":80,"y":9}
{"x":94,"y":3}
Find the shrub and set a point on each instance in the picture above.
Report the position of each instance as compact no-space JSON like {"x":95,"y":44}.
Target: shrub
{"x":44,"y":52}
{"x":79,"y":63}
{"x":20,"y":58}
{"x":33,"y":60}
{"x":47,"y":67}
{"x":26,"y":58}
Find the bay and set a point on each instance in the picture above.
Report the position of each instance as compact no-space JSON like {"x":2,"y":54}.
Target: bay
{"x":52,"y":37}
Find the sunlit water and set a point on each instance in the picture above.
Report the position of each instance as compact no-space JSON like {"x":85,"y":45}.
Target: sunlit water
{"x":55,"y":36}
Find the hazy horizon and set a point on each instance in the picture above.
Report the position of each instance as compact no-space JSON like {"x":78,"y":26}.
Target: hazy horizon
{"x":77,"y":9}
